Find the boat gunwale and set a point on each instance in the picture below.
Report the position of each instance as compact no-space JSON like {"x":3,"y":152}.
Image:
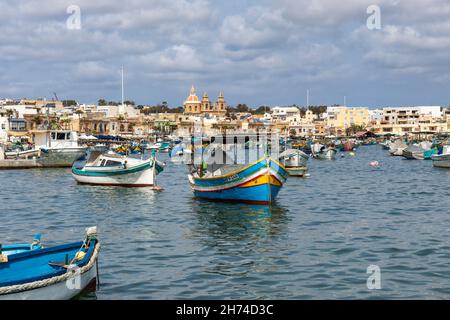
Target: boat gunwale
{"x":115,"y":171}
{"x":233,"y":172}
{"x":42,"y":252}
{"x":241,"y":169}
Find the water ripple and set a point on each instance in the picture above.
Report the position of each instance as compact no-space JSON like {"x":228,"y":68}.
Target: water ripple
{"x":315,"y":242}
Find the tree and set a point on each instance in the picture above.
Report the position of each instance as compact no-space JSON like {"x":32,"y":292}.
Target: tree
{"x":242,"y":108}
{"x":36,"y":120}
{"x":161,"y":108}
{"x":102,"y":102}
{"x":353,"y":129}
{"x":292,"y":132}
{"x":54,"y":125}
{"x":68,"y":103}
{"x":65,"y":123}
{"x":79,"y":112}
{"x":317,"y":110}
{"x":260,"y":110}
{"x":9,"y":113}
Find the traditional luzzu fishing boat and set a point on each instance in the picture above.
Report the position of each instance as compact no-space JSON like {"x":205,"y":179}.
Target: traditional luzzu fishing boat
{"x":115,"y":170}
{"x":258,"y":182}
{"x":10,"y":249}
{"x":295,"y":162}
{"x":53,"y":273}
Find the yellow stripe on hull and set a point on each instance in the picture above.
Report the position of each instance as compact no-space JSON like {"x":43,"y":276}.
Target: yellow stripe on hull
{"x":266,"y":179}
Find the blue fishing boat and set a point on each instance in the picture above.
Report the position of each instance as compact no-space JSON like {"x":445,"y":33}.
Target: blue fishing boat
{"x":53,"y":273}
{"x":21,"y":247}
{"x":258,"y":182}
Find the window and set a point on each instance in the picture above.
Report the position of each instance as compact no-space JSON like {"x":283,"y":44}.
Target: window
{"x":111,"y":163}
{"x":60,"y":136}
{"x":68,"y":136}
{"x":53,"y":135}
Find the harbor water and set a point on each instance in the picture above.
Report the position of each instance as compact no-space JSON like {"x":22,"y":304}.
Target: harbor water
{"x":316,"y":242}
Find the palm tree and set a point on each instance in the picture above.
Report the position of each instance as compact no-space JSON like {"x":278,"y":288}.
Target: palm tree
{"x":65,"y":122}
{"x":120,"y":119}
{"x":79,"y":112}
{"x":54,"y":125}
{"x":292,"y":133}
{"x":36,"y":120}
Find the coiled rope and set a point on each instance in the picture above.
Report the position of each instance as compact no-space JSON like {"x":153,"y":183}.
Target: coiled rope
{"x":47,"y":282}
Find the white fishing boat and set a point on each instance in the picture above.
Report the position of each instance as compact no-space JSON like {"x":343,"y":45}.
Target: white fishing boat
{"x":442,"y":160}
{"x":323,"y":152}
{"x":386,"y":144}
{"x":396,"y":148}
{"x":295,"y":161}
{"x":52,"y":148}
{"x":116,"y":170}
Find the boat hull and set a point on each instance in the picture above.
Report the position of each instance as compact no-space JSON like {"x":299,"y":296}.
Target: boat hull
{"x":412,"y":155}
{"x":329,"y":154}
{"x":396,"y":152}
{"x":53,"y":273}
{"x":58,"y":291}
{"x":348,"y":146}
{"x":137,"y":177}
{"x":418,"y":155}
{"x":64,"y":157}
{"x":258,"y":183}
{"x":441,"y":161}
{"x":296,"y":171}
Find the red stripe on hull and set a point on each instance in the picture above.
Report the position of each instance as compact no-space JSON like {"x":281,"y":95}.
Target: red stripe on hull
{"x":116,"y":185}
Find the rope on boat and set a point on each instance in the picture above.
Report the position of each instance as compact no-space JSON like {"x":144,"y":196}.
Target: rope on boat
{"x":47,"y":282}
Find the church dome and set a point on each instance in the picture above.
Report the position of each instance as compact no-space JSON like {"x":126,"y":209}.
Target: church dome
{"x":192,"y":97}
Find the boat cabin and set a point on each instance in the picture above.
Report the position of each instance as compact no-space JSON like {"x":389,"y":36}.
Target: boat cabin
{"x":55,"y":138}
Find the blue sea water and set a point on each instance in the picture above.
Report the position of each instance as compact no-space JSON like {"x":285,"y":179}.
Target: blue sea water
{"x":316,"y":242}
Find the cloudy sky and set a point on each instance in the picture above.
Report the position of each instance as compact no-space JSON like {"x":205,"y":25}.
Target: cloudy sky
{"x":257,"y":52}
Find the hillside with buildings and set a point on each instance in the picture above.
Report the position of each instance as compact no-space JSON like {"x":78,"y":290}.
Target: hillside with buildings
{"x":19,"y":118}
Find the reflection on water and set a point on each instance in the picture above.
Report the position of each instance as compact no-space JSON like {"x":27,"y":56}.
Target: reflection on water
{"x":242,"y":241}
{"x":238,"y":222}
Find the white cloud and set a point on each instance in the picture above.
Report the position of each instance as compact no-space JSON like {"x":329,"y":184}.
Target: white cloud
{"x":282,"y":44}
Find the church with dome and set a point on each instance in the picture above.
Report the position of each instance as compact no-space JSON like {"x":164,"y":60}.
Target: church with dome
{"x":194,"y":106}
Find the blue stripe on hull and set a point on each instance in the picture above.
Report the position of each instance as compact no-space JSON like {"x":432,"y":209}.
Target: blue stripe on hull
{"x":249,"y":194}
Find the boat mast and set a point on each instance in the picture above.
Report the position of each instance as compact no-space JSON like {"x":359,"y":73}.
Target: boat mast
{"x":307,"y":99}
{"x":49,"y":136}
{"x":122,"y":87}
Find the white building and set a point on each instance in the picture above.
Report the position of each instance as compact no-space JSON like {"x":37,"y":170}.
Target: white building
{"x":434,"y":111}
{"x":376,"y":115}
{"x":3,"y":128}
